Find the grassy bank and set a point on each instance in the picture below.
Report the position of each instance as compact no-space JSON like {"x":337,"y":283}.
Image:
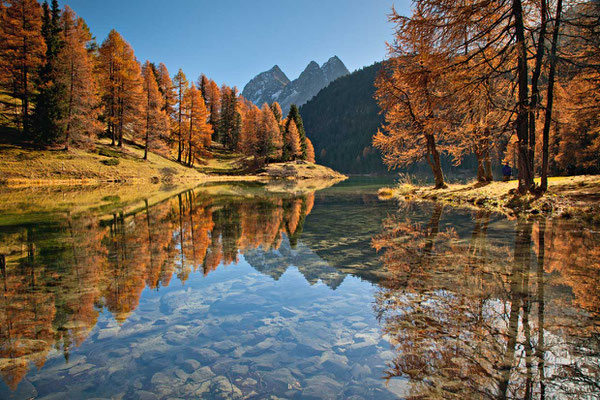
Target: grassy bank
{"x":24,"y":167}
{"x":567,"y":197}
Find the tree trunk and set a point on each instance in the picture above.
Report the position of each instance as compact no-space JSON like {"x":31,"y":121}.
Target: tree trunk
{"x":480,"y":168}
{"x":25,"y":100}
{"x":525,"y":172}
{"x":190,"y":133}
{"x":147,"y":125}
{"x":436,"y":165}
{"x":121,"y":117}
{"x":487,"y":163}
{"x":550,"y":96}
{"x":70,"y":109}
{"x":180,"y":150}
{"x":535,"y":93}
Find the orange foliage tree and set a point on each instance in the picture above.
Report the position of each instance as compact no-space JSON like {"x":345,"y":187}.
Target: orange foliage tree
{"x":155,"y":119}
{"x":76,"y":71}
{"x":22,"y":49}
{"x":120,"y":85}
{"x":198,"y":129}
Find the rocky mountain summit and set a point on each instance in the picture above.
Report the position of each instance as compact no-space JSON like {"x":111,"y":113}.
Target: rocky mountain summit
{"x":274,"y":85}
{"x":266,"y":86}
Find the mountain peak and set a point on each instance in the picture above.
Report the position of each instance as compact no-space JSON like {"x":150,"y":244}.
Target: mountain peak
{"x":266,"y":86}
{"x":334,"y":68}
{"x":274,"y":85}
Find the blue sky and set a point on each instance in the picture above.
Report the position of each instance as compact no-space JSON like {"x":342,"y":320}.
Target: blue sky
{"x":233,"y":40}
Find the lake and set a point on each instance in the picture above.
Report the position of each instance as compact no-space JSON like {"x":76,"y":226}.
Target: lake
{"x":242,"y":293}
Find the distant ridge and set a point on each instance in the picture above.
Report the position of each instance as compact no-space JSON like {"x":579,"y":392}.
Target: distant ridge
{"x":274,"y":85}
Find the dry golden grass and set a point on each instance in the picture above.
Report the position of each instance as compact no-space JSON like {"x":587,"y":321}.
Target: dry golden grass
{"x":566,"y":196}
{"x":20,"y":166}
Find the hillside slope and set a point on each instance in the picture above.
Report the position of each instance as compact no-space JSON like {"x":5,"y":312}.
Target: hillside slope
{"x":341,"y":120}
{"x":27,"y":167}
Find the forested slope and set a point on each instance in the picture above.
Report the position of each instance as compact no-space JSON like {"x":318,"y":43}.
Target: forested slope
{"x":341,"y":121}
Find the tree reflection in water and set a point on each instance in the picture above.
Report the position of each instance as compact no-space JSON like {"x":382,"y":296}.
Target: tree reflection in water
{"x":58,"y":275}
{"x":472,"y":317}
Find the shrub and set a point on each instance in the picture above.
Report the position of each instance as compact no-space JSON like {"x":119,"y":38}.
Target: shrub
{"x":108,"y":153}
{"x":110,"y":162}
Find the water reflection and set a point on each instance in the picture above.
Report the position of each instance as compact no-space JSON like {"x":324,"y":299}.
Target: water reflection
{"x":479,"y":317}
{"x":58,"y":275}
{"x":249,"y":295}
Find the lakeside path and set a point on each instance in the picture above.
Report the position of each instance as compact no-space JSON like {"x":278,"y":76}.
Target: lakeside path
{"x":567,"y":197}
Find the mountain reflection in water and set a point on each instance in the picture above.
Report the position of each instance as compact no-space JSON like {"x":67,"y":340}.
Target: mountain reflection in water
{"x":382,"y":301}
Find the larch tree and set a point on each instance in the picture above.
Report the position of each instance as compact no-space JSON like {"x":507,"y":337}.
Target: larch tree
{"x":509,"y":35}
{"x":75,"y":67}
{"x":109,"y":67}
{"x":551,"y":81}
{"x":212,"y":98}
{"x":130,"y":95}
{"x":575,"y":145}
{"x":410,"y":91}
{"x":120,"y":84}
{"x":167,"y":90}
{"x":310,"y":151}
{"x":270,"y":140}
{"x":155,"y":118}
{"x":199,"y":130}
{"x":480,"y":116}
{"x":251,"y":122}
{"x":181,"y":86}
{"x":22,"y":51}
{"x":291,"y":147}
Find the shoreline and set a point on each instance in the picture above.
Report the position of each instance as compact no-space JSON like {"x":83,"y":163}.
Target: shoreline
{"x":570,"y":197}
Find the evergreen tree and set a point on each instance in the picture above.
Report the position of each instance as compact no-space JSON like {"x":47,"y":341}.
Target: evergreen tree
{"x":276,"y":108}
{"x":230,"y":120}
{"x":294,"y":115}
{"x":203,"y":86}
{"x":51,"y":101}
